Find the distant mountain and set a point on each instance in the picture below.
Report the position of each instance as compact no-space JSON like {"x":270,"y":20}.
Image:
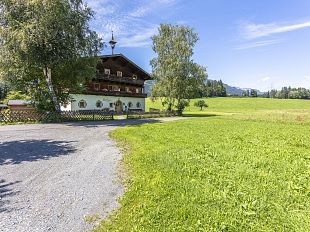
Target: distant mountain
{"x":231,"y":90}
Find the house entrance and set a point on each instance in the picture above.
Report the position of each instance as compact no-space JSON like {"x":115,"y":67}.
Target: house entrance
{"x":118,"y":107}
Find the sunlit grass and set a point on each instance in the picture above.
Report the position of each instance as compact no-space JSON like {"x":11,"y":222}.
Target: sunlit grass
{"x":233,"y":105}
{"x":249,"y":108}
{"x":234,"y":170}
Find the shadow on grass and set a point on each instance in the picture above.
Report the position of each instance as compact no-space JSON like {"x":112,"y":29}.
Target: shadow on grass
{"x":16,"y":152}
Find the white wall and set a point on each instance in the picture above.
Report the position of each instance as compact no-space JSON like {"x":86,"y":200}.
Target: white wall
{"x":106,"y":100}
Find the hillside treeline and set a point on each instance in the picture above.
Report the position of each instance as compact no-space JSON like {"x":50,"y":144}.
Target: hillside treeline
{"x":288,"y":93}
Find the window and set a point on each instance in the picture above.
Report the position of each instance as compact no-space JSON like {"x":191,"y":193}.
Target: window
{"x":107,"y":71}
{"x":96,"y":86}
{"x":134,"y":76}
{"x":137,"y":90}
{"x":111,"y":105}
{"x":138,"y":105}
{"x":99,"y":104}
{"x":82,"y":104}
{"x":129,"y":104}
{"x":110,"y":87}
{"x":119,"y":74}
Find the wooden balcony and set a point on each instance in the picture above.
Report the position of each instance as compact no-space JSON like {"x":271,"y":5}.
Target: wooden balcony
{"x":114,"y":78}
{"x":115,"y":93}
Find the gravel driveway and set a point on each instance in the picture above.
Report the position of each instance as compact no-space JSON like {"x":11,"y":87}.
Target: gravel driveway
{"x":58,"y":177}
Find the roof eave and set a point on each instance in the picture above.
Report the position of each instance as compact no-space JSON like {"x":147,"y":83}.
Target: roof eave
{"x":130,"y":61}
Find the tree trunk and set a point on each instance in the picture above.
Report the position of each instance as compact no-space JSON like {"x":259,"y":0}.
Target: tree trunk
{"x":179,"y":111}
{"x":48,"y":77}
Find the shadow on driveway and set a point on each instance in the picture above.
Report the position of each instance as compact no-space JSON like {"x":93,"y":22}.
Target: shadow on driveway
{"x":15,"y":152}
{"x":112,"y":123}
{"x":6,"y":191}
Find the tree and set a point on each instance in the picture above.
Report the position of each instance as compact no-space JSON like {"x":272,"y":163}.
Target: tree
{"x":4,"y":89}
{"x":253,"y":93}
{"x":289,"y":93}
{"x":177,"y":77}
{"x":245,"y":93}
{"x":47,"y":45}
{"x":214,"y":88}
{"x":201,"y":104}
{"x":16,"y":95}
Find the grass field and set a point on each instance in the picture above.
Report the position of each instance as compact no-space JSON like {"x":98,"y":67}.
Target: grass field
{"x":249,"y":108}
{"x":224,"y":173}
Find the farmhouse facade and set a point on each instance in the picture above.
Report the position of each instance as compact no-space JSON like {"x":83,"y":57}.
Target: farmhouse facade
{"x":118,"y":86}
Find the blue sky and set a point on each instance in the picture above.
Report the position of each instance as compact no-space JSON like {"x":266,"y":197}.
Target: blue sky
{"x":259,"y":44}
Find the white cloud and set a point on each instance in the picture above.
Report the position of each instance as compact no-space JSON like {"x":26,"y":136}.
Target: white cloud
{"x":127,"y":19}
{"x":253,"y":31}
{"x":266,"y":79}
{"x":256,"y":44}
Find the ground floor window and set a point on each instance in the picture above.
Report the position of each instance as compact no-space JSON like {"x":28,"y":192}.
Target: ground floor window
{"x":138,"y":104}
{"x":99,"y":104}
{"x":82,"y":104}
{"x":111,"y":105}
{"x":129,"y":104}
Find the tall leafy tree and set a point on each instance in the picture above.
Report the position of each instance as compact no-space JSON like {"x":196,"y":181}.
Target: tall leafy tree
{"x":177,"y":76}
{"x":214,"y":88}
{"x":47,"y":47}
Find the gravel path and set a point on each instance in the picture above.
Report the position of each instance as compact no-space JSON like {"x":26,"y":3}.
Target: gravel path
{"x":58,"y":177}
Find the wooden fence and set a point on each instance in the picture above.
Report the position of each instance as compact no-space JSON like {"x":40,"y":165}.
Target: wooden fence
{"x":153,"y":114}
{"x":64,"y":116}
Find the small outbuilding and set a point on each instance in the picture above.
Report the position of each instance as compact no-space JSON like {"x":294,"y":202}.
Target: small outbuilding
{"x":20,"y":105}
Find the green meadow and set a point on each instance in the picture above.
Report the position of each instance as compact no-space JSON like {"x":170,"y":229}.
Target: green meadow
{"x":241,"y":164}
{"x":249,"y":108}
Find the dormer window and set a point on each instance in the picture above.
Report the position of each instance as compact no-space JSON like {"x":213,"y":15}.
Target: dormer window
{"x":119,"y":74}
{"x":107,"y":71}
{"x":134,"y":76}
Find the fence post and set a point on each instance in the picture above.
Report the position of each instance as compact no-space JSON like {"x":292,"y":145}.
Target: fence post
{"x":93,"y":115}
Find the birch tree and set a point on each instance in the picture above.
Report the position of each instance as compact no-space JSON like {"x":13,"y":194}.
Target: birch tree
{"x":177,"y":77}
{"x":44,"y":42}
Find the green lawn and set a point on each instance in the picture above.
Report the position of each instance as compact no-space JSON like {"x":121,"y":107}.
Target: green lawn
{"x":249,"y":108}
{"x":233,"y":105}
{"x":221,"y":173}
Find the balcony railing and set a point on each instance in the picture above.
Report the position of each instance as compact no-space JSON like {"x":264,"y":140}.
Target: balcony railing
{"x":115,"y":93}
{"x":114,"y":78}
